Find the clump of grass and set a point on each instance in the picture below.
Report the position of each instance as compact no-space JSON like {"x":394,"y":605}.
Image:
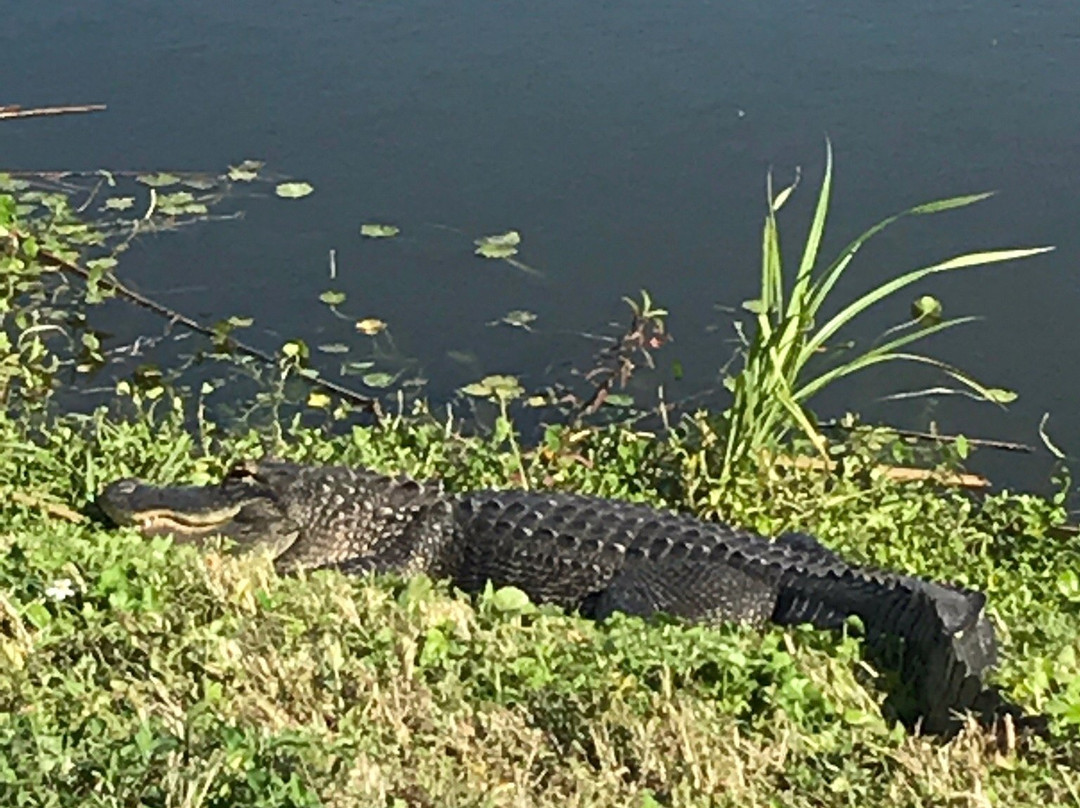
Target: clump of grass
{"x":771,"y":391}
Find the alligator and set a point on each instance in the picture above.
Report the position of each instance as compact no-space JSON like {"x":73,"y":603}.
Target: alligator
{"x":587,"y":554}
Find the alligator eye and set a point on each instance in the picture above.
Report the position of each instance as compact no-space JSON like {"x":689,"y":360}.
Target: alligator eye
{"x":242,"y":470}
{"x":125,"y":487}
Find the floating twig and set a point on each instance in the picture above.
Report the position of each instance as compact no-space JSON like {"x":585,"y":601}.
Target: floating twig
{"x":984,"y":443}
{"x":15,"y":111}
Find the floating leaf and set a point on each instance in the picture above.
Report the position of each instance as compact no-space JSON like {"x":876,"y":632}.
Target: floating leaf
{"x":159,"y":180}
{"x":104,"y":263}
{"x":478,"y":389}
{"x":495,"y":386}
{"x":246,"y":171}
{"x":240,"y":322}
{"x":293,"y":190}
{"x":356,"y":368}
{"x":203,"y":182}
{"x":318,"y":400}
{"x":332,"y":298}
{"x":619,"y":400}
{"x":370,"y":326}
{"x":334,"y":348}
{"x":119,"y":203}
{"x":179,"y":203}
{"x":292,"y":349}
{"x":379,"y":380}
{"x":9,"y":183}
{"x":379,"y":230}
{"x":502,"y":245}
{"x":517,"y":318}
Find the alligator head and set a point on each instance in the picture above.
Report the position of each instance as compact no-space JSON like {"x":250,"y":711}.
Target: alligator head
{"x":305,"y":516}
{"x":247,"y":506}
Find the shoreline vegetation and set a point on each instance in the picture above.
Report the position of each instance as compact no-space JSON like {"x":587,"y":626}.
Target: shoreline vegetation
{"x":139,"y":672}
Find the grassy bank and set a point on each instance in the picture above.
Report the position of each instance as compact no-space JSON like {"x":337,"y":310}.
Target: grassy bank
{"x":135,"y":673}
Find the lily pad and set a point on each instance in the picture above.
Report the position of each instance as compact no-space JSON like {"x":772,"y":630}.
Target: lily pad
{"x":332,"y":298}
{"x":370,"y":326}
{"x":119,"y":203}
{"x":379,"y":230}
{"x":161,"y":179}
{"x":247,"y":171}
{"x":502,"y":245}
{"x":378,"y":380}
{"x":519,"y":318}
{"x":293,"y":190}
{"x":496,"y":386}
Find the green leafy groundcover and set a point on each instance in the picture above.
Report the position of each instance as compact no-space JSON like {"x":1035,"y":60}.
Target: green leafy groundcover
{"x":134,"y":672}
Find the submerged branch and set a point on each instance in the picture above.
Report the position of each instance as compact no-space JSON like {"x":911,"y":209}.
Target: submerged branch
{"x":367,"y":403}
{"x":983,"y":443}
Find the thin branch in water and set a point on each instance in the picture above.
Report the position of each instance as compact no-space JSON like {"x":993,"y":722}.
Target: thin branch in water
{"x":15,"y":111}
{"x":368,"y":404}
{"x":984,"y":443}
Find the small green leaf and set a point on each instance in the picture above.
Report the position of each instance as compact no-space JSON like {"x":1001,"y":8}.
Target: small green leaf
{"x":510,"y":599}
{"x":119,"y":203}
{"x":159,"y":180}
{"x":502,"y":245}
{"x":378,"y":380}
{"x":203,"y":182}
{"x":293,"y":190}
{"x":379,"y":230}
{"x":103,"y":263}
{"x":332,"y":297}
{"x":247,"y":171}
{"x":495,"y":386}
{"x":518,"y":318}
{"x":370,"y":326}
{"x":963,"y":448}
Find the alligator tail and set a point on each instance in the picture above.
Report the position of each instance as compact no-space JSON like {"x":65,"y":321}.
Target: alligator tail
{"x":937,"y":635}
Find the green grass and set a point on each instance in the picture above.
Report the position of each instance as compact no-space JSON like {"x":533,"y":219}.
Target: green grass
{"x":779,"y":372}
{"x":136,"y":673}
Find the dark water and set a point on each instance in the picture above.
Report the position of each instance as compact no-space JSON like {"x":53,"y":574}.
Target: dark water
{"x":627,"y":142}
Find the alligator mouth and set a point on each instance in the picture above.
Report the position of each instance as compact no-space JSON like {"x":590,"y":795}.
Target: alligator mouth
{"x":193,"y":525}
{"x":182,"y":511}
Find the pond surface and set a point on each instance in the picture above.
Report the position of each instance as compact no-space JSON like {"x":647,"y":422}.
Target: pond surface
{"x":627,"y":142}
